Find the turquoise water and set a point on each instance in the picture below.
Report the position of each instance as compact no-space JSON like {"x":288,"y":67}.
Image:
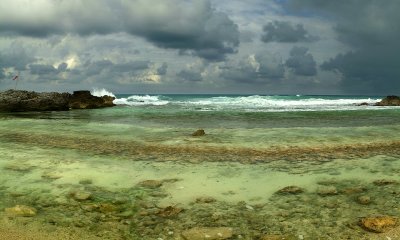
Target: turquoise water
{"x":254,"y":146}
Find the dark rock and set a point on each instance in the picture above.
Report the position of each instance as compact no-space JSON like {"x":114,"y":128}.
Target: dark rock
{"x":84,"y":100}
{"x":389,"y":101}
{"x":198,"y":133}
{"x":363,"y":104}
{"x":24,"y":101}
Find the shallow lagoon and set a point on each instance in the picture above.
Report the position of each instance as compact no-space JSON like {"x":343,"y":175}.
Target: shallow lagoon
{"x":227,"y":178}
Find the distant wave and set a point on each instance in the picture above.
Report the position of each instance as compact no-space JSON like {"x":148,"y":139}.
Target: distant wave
{"x":277,"y":103}
{"x":139,"y":100}
{"x":243,"y":103}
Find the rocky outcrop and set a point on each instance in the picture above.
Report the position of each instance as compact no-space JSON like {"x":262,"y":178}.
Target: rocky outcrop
{"x":25,"y":101}
{"x":389,"y":101}
{"x":85,"y":100}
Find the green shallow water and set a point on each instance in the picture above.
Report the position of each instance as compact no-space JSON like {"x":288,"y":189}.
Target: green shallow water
{"x":239,"y":166}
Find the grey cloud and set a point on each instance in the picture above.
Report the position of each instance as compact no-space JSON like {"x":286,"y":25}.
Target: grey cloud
{"x":282,"y":31}
{"x":162,"y":70}
{"x":301,"y":62}
{"x":190,"y":75}
{"x":197,"y":28}
{"x":194,"y":27}
{"x":97,"y":67}
{"x":371,"y":29}
{"x":42,"y":69}
{"x":263,"y":68}
{"x":131,"y":66}
{"x":16,"y":56}
{"x":62,"y":67}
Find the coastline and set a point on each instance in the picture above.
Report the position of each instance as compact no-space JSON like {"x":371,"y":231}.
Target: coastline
{"x":139,"y":173}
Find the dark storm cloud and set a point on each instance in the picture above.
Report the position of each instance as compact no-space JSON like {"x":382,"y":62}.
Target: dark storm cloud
{"x":301,"y":62}
{"x":371,"y":29}
{"x":190,"y":75}
{"x":261,"y":68}
{"x":163,"y":69}
{"x":194,"y":27}
{"x":282,"y":31}
{"x":197,"y":28}
{"x":97,"y":67}
{"x":42,"y":69}
{"x":62,"y":67}
{"x":15,"y":56}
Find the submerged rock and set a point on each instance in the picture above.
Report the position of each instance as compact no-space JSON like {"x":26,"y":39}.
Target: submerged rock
{"x":290,"y":190}
{"x":378,"y":224}
{"x":81,"y":195}
{"x":199,"y":133}
{"x":51,"y":175}
{"x":150,"y":183}
{"x":327,"y":191}
{"x":389,"y":101}
{"x":278,"y":237}
{"x":21,"y":211}
{"x":205,"y":199}
{"x":211,"y":233}
{"x":383,"y":182}
{"x":18,"y":167}
{"x":364,"y":200}
{"x":169,"y":211}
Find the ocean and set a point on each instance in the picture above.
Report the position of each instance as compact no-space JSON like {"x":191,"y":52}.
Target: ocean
{"x":289,"y":167}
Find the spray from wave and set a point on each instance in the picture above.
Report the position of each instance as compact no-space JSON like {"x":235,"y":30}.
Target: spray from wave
{"x":101,"y":92}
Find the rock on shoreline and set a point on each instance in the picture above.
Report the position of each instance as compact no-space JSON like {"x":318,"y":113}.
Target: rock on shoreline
{"x":24,"y":101}
{"x":389,"y":101}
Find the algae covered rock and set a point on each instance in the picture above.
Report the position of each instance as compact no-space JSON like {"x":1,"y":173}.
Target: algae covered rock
{"x":150,"y":183}
{"x":383,"y":182}
{"x":80,"y":195}
{"x":209,"y":233}
{"x":21,"y":211}
{"x":290,"y":190}
{"x":327,"y":191}
{"x":198,"y":133}
{"x":378,"y":224}
{"x":364,"y":200}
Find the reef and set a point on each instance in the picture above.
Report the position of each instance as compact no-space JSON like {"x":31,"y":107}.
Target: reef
{"x":25,"y":101}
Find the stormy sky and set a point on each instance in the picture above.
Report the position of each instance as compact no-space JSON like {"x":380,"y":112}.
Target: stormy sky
{"x":202,"y":46}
